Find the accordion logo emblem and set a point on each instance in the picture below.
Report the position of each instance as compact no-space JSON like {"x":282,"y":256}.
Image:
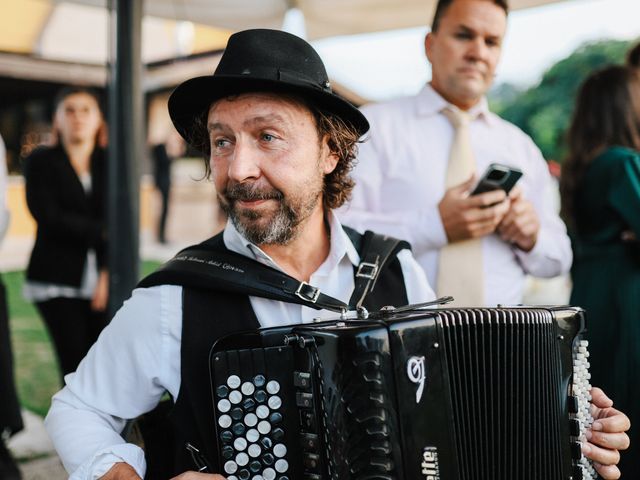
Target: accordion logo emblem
{"x":416,"y":373}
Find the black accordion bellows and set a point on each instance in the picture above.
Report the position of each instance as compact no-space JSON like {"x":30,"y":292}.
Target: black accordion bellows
{"x":444,"y":394}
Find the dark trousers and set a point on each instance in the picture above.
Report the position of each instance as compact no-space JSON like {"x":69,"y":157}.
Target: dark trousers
{"x":10,"y":418}
{"x":73,"y":327}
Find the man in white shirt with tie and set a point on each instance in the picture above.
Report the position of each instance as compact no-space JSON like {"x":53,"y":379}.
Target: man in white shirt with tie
{"x":404,"y":186}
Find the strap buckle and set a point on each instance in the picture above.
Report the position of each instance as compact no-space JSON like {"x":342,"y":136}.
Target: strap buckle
{"x":367,"y":270}
{"x":307,"y":292}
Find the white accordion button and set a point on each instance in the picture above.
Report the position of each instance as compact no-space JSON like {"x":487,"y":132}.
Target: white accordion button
{"x":231,"y":467}
{"x":281,"y":466}
{"x":275,"y":402}
{"x":242,"y":459}
{"x":262,"y":412}
{"x":250,"y":420}
{"x":248,"y":388}
{"x":269,"y":474}
{"x":224,"y":405}
{"x":224,"y":421}
{"x":264,"y":427}
{"x":235,"y":397}
{"x":252,"y":435}
{"x":240,"y":444}
{"x":233,"y":381}
{"x":273,"y":387}
{"x":279,"y":450}
{"x":254,"y":450}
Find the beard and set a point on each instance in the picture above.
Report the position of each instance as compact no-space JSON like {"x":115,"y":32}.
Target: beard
{"x":269,"y":227}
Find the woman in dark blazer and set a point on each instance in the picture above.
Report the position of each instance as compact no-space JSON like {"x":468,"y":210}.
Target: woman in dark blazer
{"x":65,"y":186}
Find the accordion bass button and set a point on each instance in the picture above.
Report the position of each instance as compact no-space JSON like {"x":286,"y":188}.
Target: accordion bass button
{"x":309,"y":441}
{"x":302,"y":380}
{"x":304,"y":400}
{"x":311,"y":461}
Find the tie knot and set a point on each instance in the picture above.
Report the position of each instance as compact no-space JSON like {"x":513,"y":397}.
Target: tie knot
{"x":457,"y":117}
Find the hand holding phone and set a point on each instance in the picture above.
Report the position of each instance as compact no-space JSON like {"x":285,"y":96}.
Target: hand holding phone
{"x":497,"y":176}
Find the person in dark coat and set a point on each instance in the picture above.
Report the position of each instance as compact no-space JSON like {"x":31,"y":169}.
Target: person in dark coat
{"x":10,"y":417}
{"x":67,"y":275}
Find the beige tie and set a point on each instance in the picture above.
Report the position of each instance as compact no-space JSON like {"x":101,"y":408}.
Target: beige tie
{"x":460,"y":272}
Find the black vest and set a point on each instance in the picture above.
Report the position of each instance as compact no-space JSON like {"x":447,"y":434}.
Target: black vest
{"x":207,"y":316}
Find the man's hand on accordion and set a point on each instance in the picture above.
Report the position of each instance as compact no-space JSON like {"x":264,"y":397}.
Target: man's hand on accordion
{"x":607,"y":435}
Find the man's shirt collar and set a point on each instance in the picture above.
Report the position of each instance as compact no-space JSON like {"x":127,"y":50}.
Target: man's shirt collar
{"x":339,"y":247}
{"x":429,"y":102}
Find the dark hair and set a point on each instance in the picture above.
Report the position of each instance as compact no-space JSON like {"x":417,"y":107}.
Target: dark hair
{"x":633,"y":56}
{"x":343,"y":139}
{"x":442,"y":6}
{"x":607,"y":113}
{"x":65,"y":92}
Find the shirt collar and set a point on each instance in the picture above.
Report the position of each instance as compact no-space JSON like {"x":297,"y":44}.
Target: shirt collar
{"x":431,"y":102}
{"x":340,"y":247}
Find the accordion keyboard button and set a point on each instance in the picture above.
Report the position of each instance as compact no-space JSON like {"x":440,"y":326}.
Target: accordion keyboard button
{"x":255,"y":466}
{"x":269,"y":474}
{"x":274,"y":402}
{"x":224,"y":421}
{"x":222,"y":391}
{"x":266,"y":443}
{"x":242,"y":459}
{"x":573,"y":404}
{"x":253,"y":435}
{"x":264,"y":427}
{"x":254,"y":450}
{"x":250,"y":420}
{"x":233,"y":381}
{"x":273,"y":387}
{"x":230,"y":467}
{"x":240,"y":444}
{"x":257,"y":477}
{"x":224,"y":405}
{"x":259,"y":381}
{"x":239,"y":429}
{"x":277,"y":434}
{"x":235,"y":397}
{"x":576,"y":450}
{"x":232,"y":477}
{"x":249,"y":404}
{"x":281,"y":466}
{"x":236,"y":413}
{"x":260,"y":396}
{"x":247,"y":388}
{"x":262,"y":412}
{"x":227,"y":452}
{"x":268,"y":459}
{"x":279,"y":450}
{"x":302,"y":380}
{"x":275,"y":418}
{"x":226,"y":436}
{"x":244,"y":474}
{"x":574,"y":427}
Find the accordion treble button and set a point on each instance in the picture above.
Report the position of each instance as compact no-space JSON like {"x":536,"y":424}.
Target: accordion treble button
{"x":576,"y":450}
{"x":574,"y":427}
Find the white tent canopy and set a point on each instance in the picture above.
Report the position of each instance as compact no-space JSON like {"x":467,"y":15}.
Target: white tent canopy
{"x":323,"y":18}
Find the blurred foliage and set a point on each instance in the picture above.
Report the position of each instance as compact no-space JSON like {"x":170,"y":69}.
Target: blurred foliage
{"x":544,"y":111}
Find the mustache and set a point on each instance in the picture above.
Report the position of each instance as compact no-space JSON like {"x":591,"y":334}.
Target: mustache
{"x":248,"y":192}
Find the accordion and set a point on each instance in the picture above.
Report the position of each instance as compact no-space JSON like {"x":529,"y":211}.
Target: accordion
{"x":438,"y":394}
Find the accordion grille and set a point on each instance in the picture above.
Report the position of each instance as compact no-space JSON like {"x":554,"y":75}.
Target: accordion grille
{"x":504,"y":382}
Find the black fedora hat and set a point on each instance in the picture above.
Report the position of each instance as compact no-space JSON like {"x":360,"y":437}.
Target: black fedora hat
{"x":262,"y":60}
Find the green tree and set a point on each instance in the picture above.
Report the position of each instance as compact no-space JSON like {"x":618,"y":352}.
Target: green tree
{"x":544,"y":110}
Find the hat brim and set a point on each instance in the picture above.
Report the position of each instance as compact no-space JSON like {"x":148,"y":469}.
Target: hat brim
{"x":193,"y":97}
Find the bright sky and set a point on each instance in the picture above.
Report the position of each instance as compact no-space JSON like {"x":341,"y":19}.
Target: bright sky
{"x":390,"y":64}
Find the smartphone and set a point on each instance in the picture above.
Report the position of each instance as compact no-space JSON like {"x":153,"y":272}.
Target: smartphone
{"x":497,"y":176}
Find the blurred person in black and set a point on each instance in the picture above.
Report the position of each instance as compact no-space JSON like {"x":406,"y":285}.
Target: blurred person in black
{"x":633,"y":56}
{"x":10,"y":417}
{"x":163,"y":155}
{"x":67,"y":276}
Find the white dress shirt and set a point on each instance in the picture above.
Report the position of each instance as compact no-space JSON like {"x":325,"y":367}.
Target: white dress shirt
{"x":137,"y":357}
{"x":400,"y":178}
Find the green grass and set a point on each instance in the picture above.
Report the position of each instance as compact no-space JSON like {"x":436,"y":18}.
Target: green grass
{"x":36,"y":370}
